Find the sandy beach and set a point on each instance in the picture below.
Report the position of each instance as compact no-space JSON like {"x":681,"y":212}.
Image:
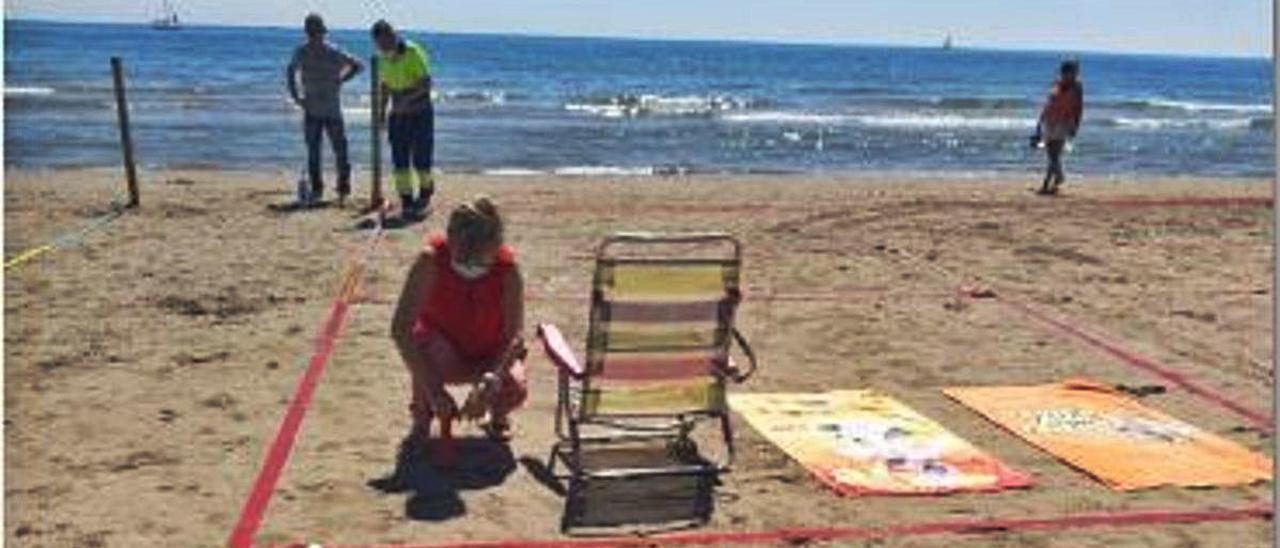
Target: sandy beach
{"x":147,"y":368}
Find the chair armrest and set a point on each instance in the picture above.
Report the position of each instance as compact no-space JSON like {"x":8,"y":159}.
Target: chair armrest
{"x":735,"y":374}
{"x":559,"y":351}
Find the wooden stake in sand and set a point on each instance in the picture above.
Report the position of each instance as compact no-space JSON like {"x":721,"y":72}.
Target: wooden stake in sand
{"x":126,"y":141}
{"x":375,"y":112}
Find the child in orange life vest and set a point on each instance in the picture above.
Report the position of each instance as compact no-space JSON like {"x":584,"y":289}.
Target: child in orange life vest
{"x":459,"y":321}
{"x":1059,"y":121}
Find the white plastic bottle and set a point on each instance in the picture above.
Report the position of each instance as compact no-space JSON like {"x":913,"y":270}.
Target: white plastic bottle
{"x":304,"y":188}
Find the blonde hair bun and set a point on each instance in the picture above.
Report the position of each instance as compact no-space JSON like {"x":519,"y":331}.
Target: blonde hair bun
{"x":474,"y":226}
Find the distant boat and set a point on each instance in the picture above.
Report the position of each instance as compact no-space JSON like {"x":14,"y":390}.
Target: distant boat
{"x":946,"y":44}
{"x":168,"y":19}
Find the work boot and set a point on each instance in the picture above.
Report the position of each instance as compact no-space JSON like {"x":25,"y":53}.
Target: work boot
{"x":424,"y":200}
{"x":409,"y":208}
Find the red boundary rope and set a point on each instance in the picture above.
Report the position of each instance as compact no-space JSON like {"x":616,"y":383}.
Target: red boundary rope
{"x":255,"y":506}
{"x":812,"y":534}
{"x":1193,"y":201}
{"x":1261,"y":421}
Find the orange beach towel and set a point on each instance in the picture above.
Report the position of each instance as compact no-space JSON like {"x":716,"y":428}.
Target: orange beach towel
{"x":1112,"y":437}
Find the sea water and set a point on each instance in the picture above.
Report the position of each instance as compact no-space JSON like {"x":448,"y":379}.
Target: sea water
{"x":514,"y":105}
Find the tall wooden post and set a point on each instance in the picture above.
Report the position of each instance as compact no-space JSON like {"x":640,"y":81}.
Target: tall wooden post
{"x":1275,"y":246}
{"x":375,"y":142}
{"x":126,"y":141}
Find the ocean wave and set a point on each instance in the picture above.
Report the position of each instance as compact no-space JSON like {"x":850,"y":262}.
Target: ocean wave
{"x":359,"y":114}
{"x":786,"y":117}
{"x":477,"y":96}
{"x":595,"y":171}
{"x":981,"y":103}
{"x":888,"y":98}
{"x":893,"y":121}
{"x":512,"y":172}
{"x":28,"y":91}
{"x":361,"y":110}
{"x":930,"y":120}
{"x":1187,"y":106}
{"x":60,"y":103}
{"x":925,"y":121}
{"x":147,"y":88}
{"x":603,"y":170}
{"x":1157,"y":124}
{"x":945,"y":103}
{"x":843,"y":90}
{"x":631,"y":106}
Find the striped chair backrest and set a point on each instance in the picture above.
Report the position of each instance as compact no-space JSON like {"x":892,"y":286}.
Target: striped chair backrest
{"x":660,"y":328}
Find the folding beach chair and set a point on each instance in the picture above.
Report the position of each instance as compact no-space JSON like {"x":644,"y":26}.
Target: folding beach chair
{"x":657,"y":362}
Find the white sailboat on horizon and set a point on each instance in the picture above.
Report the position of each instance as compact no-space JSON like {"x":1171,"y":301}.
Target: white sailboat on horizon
{"x":168,"y":19}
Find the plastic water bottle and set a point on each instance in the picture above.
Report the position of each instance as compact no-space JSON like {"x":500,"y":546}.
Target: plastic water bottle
{"x":304,"y":188}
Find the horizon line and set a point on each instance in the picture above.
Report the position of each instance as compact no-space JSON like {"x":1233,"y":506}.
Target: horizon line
{"x":746,"y":40}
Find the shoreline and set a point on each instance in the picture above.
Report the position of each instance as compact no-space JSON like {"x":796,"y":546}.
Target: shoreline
{"x":360,"y":174}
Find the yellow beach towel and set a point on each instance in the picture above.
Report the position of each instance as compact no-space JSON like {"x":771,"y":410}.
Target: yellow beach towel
{"x":1114,"y":438}
{"x":859,"y":442}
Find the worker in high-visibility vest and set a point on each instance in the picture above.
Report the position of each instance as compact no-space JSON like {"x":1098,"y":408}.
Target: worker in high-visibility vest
{"x":405,"y":78}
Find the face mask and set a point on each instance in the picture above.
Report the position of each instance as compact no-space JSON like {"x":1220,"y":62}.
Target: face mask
{"x":393,"y":51}
{"x":470,"y":271}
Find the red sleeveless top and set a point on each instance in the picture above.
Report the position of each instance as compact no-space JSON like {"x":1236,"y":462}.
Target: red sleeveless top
{"x":1064,"y":104}
{"x":466,"y":312}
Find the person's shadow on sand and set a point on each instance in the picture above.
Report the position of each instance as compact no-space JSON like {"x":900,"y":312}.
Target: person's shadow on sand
{"x":481,"y":464}
{"x":299,"y":207}
{"x":367,"y":221}
{"x":391,"y":222}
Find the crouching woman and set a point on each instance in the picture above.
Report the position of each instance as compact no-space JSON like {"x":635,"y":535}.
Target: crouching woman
{"x":458,"y":322}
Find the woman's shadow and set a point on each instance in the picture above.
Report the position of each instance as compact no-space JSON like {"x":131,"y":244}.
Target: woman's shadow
{"x":481,"y":464}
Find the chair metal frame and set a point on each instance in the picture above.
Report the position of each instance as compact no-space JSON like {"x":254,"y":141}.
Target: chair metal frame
{"x":571,"y":419}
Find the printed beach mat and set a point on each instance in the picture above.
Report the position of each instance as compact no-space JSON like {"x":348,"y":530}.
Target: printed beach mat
{"x":1114,"y":438}
{"x":860,"y":442}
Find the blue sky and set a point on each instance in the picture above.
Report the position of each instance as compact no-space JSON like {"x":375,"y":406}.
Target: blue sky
{"x":1217,"y":27}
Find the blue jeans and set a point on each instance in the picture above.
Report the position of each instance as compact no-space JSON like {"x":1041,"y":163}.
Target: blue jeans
{"x":312,"y":128}
{"x":412,"y":136}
